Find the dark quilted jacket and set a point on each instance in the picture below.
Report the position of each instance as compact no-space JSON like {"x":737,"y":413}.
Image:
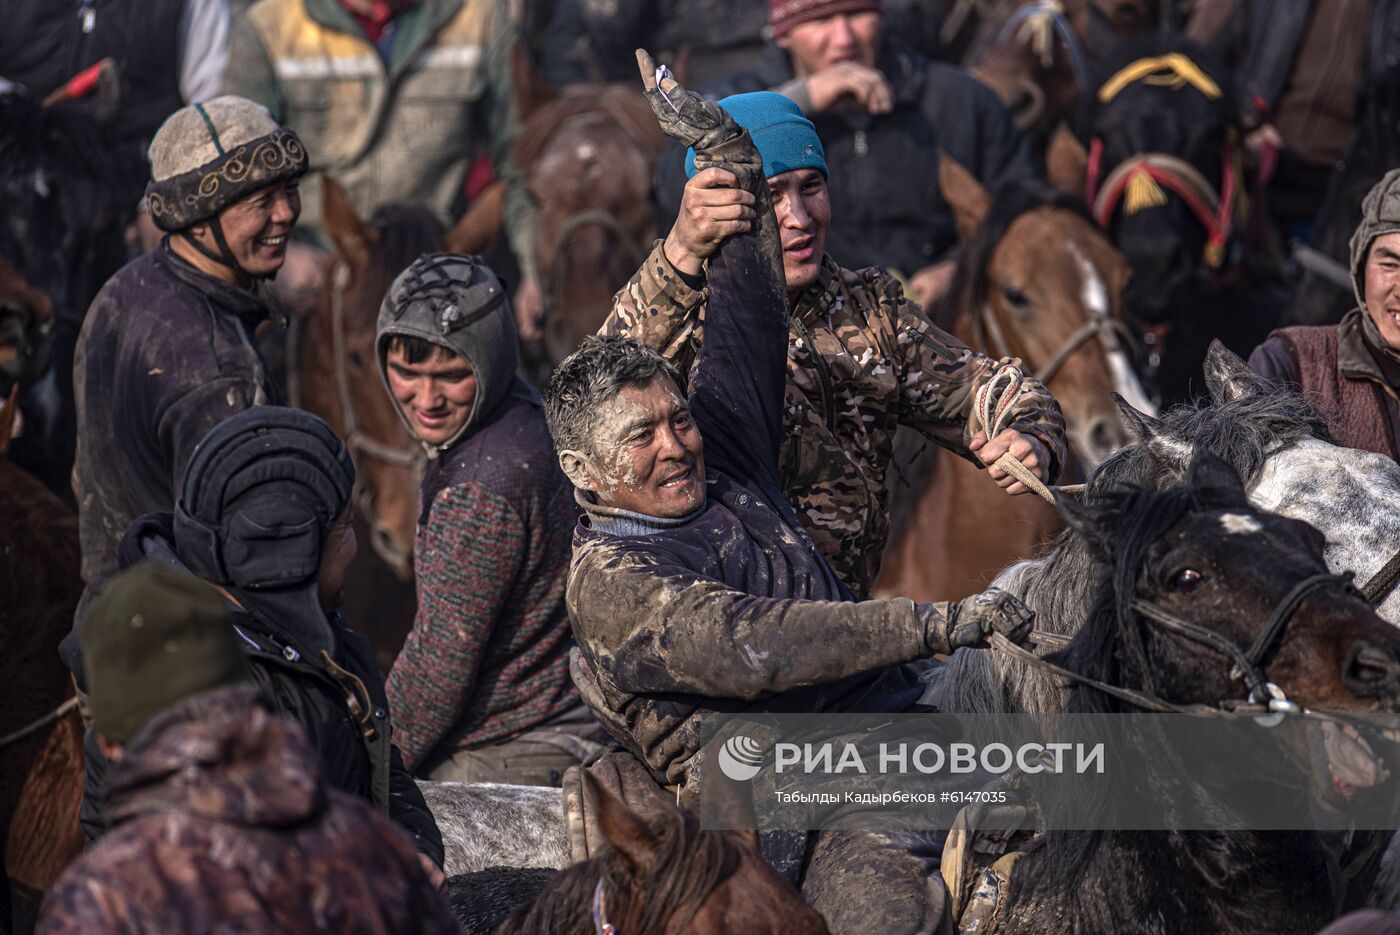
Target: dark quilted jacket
{"x":224,"y":823}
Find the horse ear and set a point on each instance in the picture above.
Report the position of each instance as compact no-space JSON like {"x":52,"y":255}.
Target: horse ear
{"x":1216,"y":482}
{"x":1081,"y":518}
{"x":351,"y":237}
{"x":1168,"y":449}
{"x":964,"y":194}
{"x":478,"y":229}
{"x":8,"y":411}
{"x":1142,"y":425}
{"x":623,"y":828}
{"x":1066,"y":162}
{"x":529,"y":88}
{"x":1228,"y":377}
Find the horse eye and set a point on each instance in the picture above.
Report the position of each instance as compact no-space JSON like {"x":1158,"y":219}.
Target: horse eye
{"x":1186,"y":580}
{"x":357,"y":359}
{"x":1015,"y":296}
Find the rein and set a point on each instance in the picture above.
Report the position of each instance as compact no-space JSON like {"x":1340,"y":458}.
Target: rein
{"x":995,"y":403}
{"x":601,"y":925}
{"x":43,"y":721}
{"x":1264,"y":697}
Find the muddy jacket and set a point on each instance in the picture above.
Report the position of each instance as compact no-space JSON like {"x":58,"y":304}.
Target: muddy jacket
{"x":886,"y":203}
{"x":733,"y":609}
{"x":404,"y":126}
{"x":861,"y":360}
{"x":224,"y":823}
{"x":166,"y":353}
{"x":340,"y":703}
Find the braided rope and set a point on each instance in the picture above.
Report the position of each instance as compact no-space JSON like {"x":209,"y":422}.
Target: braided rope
{"x":996,"y":402}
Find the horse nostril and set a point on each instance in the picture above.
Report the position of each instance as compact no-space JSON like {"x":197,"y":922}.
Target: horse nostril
{"x":1371,"y":669}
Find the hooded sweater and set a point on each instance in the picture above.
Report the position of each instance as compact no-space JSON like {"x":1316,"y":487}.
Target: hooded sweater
{"x":487,"y":658}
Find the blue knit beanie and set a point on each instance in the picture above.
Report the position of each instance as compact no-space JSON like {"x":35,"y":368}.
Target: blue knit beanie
{"x":785,"y":139}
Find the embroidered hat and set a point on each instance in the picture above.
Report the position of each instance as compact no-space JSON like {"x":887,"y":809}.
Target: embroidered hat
{"x":210,"y":154}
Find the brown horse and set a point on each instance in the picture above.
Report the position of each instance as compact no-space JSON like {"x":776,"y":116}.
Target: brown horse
{"x":41,"y":747}
{"x":1036,"y":280}
{"x":666,"y":875}
{"x":586,"y":155}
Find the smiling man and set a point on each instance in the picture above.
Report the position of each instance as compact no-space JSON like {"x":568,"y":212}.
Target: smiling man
{"x":1352,"y":368}
{"x":167,"y":350}
{"x":695,"y":591}
{"x":481,"y":691}
{"x":862,"y":358}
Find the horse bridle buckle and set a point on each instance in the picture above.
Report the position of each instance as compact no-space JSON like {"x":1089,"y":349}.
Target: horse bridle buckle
{"x":1277,"y":702}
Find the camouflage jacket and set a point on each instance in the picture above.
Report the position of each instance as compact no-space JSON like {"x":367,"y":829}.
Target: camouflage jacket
{"x":862,"y":360}
{"x":225,"y":824}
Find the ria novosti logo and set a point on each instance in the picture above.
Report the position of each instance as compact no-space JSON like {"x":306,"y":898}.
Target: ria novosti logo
{"x":740,"y":758}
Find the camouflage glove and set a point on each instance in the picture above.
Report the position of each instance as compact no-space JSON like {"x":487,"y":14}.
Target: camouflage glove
{"x":970,"y":621}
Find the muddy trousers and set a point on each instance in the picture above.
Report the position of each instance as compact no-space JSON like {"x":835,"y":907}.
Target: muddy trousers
{"x":877,"y":883}
{"x":537,"y":758}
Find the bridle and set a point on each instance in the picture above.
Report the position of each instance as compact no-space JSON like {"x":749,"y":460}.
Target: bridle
{"x":1113,"y":335}
{"x":1040,"y":23}
{"x":601,"y":925}
{"x":1137,"y":183}
{"x":361,"y":444}
{"x":1263,"y":697}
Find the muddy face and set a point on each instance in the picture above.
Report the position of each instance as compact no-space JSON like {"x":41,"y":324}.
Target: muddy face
{"x":648,"y":456}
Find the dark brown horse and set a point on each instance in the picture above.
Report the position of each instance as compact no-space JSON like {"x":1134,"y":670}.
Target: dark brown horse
{"x":41,"y":754}
{"x":1036,"y":280}
{"x":666,"y":875}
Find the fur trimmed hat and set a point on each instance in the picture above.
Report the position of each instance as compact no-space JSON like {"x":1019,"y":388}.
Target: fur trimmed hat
{"x":210,"y":154}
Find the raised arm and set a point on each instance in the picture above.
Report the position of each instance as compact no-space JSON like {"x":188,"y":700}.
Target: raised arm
{"x":737,"y":385}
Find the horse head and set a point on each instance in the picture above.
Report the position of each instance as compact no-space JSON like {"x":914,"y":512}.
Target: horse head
{"x":667,"y":875}
{"x":338,"y":373}
{"x":1037,"y":64}
{"x":1253,"y":587}
{"x":1160,"y":170}
{"x":1038,"y":281}
{"x":586,"y":155}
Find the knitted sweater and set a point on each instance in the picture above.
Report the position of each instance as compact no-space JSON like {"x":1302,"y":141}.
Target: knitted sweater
{"x":488,"y":656}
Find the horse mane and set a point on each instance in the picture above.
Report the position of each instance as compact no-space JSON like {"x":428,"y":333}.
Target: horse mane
{"x":1243,"y":432}
{"x":402,"y":233}
{"x":1011,"y":200}
{"x":686,"y":866}
{"x":618,"y":103}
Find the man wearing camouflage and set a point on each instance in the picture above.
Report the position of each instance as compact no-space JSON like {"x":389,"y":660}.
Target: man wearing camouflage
{"x":862,"y":358}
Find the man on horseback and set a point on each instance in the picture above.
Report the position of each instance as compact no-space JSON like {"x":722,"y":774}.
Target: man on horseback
{"x":1353,"y":367}
{"x":862,"y":358}
{"x":264,"y":515}
{"x":481,"y":690}
{"x":223,"y":818}
{"x":694,"y":590}
{"x":883,"y":112}
{"x":167,"y":350}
